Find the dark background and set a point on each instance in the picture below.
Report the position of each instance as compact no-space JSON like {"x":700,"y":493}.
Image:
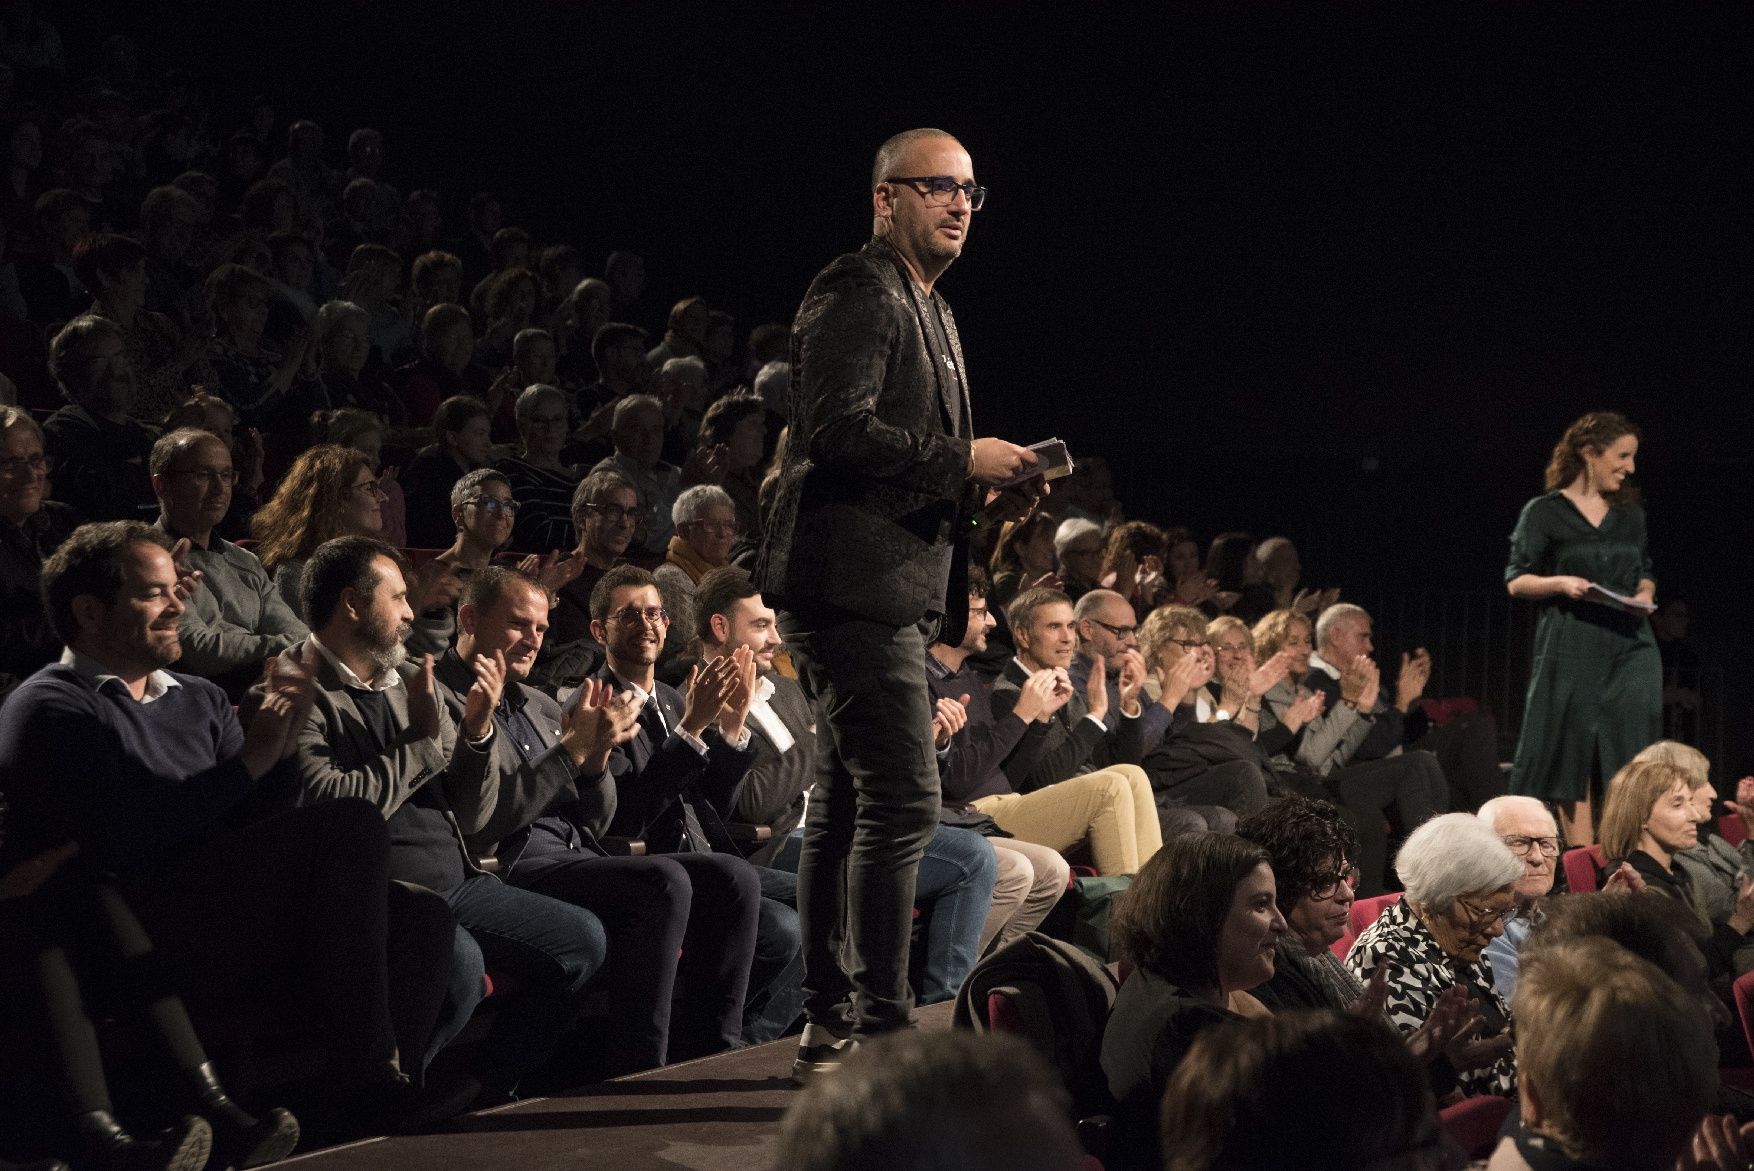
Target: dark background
{"x":1339,"y":272}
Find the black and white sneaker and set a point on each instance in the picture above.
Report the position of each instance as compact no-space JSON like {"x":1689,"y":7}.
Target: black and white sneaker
{"x":820,"y":1050}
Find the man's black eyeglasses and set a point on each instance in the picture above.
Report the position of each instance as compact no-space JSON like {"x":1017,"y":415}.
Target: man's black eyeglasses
{"x":939,"y":190}
{"x":1117,"y":631}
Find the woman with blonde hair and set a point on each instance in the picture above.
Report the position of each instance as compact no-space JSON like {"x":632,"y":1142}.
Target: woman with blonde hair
{"x":1648,"y":820}
{"x":1596,"y":689}
{"x":1713,"y":864}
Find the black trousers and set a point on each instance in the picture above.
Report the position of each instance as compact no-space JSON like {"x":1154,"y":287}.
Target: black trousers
{"x":873,"y":808}
{"x":1406,"y":790}
{"x":704,"y":906}
{"x":293,"y":906}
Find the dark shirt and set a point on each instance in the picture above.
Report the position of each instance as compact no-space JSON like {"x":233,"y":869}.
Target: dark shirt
{"x":1150,"y":1030}
{"x":1719,"y":941}
{"x":1074,"y":742}
{"x":426,"y":487}
{"x":423,"y":847}
{"x":772,"y":792}
{"x":100,"y":466}
{"x":544,"y":497}
{"x":990,"y":750}
{"x":26,"y":639}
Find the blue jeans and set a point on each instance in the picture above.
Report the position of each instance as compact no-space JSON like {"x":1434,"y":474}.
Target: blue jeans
{"x":956,"y":887}
{"x":551,"y":946}
{"x":776,"y":979}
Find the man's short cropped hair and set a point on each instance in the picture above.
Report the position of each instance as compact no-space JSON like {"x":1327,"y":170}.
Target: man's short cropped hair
{"x":595,"y":489}
{"x":619,"y":577}
{"x":468,"y":486}
{"x":611,"y":335}
{"x":1021,"y":612}
{"x":89,"y":562}
{"x":483,"y":589}
{"x":718,"y":592}
{"x":338,"y":565}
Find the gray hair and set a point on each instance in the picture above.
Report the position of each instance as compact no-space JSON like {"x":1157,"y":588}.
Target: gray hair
{"x":1332,"y":616}
{"x":1490,"y":811}
{"x":697,"y":500}
{"x":594,"y":487}
{"x":773,"y":382}
{"x":1070,"y":530}
{"x":1452,"y":856}
{"x":679,"y":366}
{"x":465,"y":489}
{"x":11,"y":416}
{"x":632,"y":403}
{"x":532,"y":397}
{"x":1092,"y":601}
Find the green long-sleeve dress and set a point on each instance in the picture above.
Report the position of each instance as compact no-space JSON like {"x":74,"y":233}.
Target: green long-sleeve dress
{"x":1596,"y":685}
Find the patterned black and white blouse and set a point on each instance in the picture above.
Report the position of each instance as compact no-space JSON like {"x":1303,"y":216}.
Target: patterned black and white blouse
{"x":1419,"y":971}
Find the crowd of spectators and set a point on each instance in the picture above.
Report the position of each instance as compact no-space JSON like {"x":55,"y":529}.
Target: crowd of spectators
{"x":375,"y":635}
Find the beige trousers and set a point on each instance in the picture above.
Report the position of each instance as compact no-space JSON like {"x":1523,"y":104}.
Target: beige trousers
{"x":1114,"y":808}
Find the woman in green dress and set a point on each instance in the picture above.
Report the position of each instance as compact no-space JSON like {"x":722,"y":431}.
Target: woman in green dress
{"x":1596,"y":685}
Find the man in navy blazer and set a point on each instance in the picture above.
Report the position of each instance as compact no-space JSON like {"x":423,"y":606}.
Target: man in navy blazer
{"x":556,"y":801}
{"x":676,"y":780}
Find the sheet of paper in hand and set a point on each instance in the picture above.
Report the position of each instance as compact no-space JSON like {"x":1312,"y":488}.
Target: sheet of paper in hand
{"x":1052,"y":461}
{"x":1602,"y":595}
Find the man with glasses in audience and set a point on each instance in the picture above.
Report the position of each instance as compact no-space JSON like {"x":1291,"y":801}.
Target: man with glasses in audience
{"x":100,"y":453}
{"x":236,"y":620}
{"x":867,"y":530}
{"x":1107,"y":630}
{"x":605,"y":511}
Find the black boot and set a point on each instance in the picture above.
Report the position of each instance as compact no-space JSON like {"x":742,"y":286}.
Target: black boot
{"x":239,"y":1139}
{"x":106,"y":1146}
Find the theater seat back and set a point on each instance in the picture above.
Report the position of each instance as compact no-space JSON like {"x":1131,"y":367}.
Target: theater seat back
{"x":1583,"y":869}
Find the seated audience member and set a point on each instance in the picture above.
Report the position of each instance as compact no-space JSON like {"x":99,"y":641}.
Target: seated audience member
{"x":99,"y":452}
{"x":442,"y":371}
{"x":532,"y":364}
{"x":374,"y":283}
{"x":1200,"y":926}
{"x":1108,"y":632}
{"x":1281,"y":571}
{"x":1614,"y":1063}
{"x":1075,"y":743}
{"x":1133,"y":565}
{"x":31,"y":527}
{"x":685,"y":334}
{"x":363,"y":431}
{"x":733,"y":434}
{"x":1200,"y":758}
{"x":460,"y":444}
{"x":556,"y":798}
{"x":542,"y":482}
{"x":378,"y":731}
{"x":1190,"y":586}
{"x":436,"y":278}
{"x":676,"y":778}
{"x":164,"y":364}
{"x":1337,"y":1089}
{"x":1460,"y":884}
{"x":204,"y":412}
{"x":151,"y":775}
{"x":605,"y":511}
{"x":272,"y":388}
{"x":1023,"y":558}
{"x":1528,"y":829}
{"x":706,"y":525}
{"x":1078,"y":548}
{"x":919,"y":1101}
{"x":482,"y":512}
{"x":975,"y":750}
{"x":343,"y":342}
{"x":1465,"y":746}
{"x":957,"y":872}
{"x":169,"y":220}
{"x":508,"y":307}
{"x":1353,"y":744}
{"x":1238,"y":590}
{"x":294,"y":273}
{"x":236,"y":620}
{"x":1647,"y":820}
{"x":60,"y":222}
{"x":83,"y":921}
{"x":618,"y":356}
{"x":638,"y":432}
{"x":1712,"y":865}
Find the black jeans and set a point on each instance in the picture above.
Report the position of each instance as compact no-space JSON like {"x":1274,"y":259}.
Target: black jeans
{"x":873,"y":809}
{"x":1407,"y":790}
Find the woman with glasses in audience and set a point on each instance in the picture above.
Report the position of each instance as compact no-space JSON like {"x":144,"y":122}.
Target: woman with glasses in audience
{"x":483,"y":511}
{"x":461,"y":443}
{"x":1460,"y":881}
{"x":31,"y":527}
{"x":541,"y":481}
{"x":364,"y":432}
{"x":1201,"y":927}
{"x":1648,"y":820}
{"x":330,"y":491}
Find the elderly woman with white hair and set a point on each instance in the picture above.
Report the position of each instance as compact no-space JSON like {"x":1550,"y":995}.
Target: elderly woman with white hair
{"x":1461,"y":889}
{"x":541,"y":481}
{"x":1078,"y":550}
{"x":706,"y":526}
